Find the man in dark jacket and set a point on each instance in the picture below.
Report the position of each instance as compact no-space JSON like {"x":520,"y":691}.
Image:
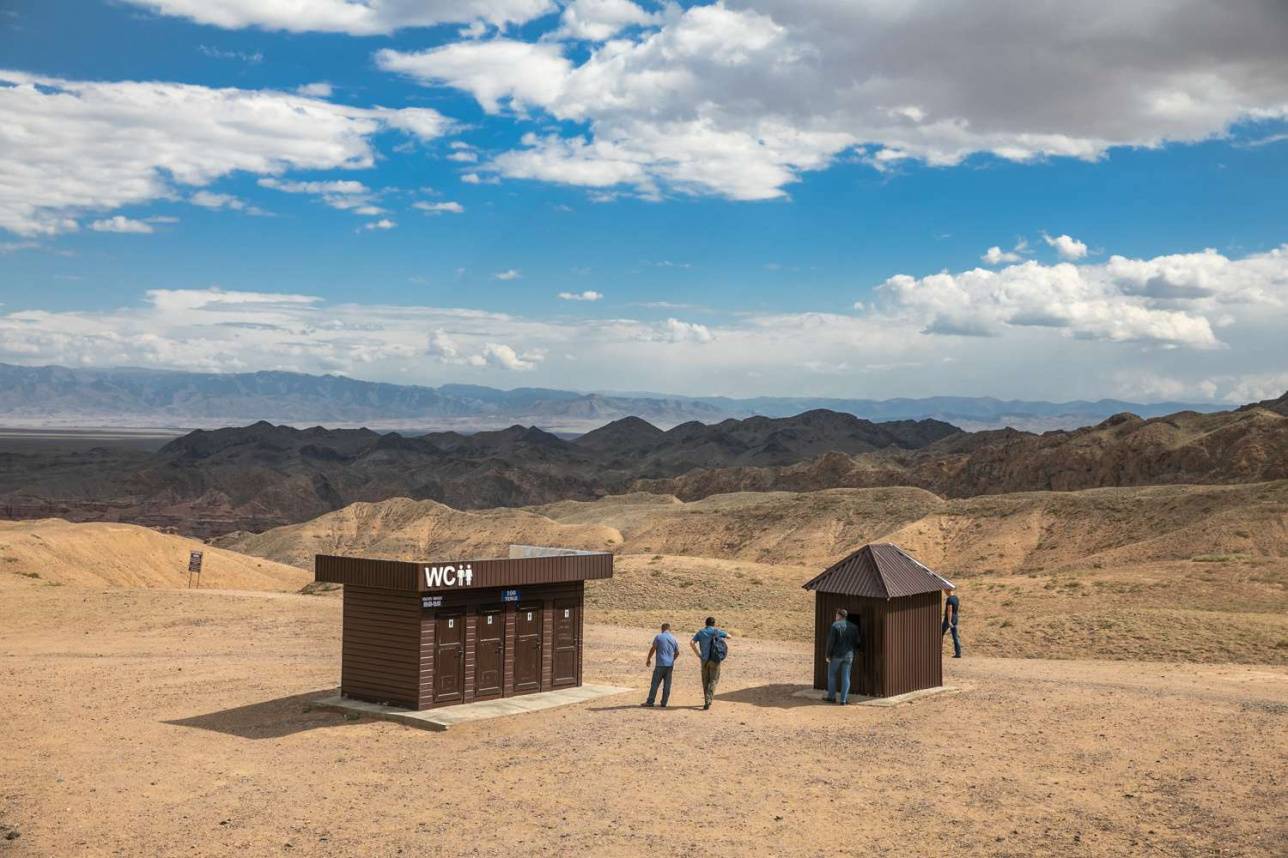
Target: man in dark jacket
{"x":951,"y":606}
{"x":842,"y":641}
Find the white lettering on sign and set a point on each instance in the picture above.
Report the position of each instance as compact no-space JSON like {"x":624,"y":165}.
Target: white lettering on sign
{"x":431,"y":601}
{"x":449,"y":576}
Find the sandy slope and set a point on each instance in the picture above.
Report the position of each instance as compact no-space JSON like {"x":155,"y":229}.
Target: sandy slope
{"x":402,"y":528}
{"x":181,"y":726}
{"x":126,"y":555}
{"x":997,"y":534}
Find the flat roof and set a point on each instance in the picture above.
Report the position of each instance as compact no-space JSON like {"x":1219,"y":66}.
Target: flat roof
{"x":451,"y":575}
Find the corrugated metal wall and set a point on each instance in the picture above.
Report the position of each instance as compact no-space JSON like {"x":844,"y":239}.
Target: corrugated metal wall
{"x":901,"y":643}
{"x":914,"y":651}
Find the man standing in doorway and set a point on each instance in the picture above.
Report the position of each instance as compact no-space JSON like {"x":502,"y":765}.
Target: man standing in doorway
{"x":666,"y":648}
{"x":842,"y":641}
{"x":710,"y":648}
{"x":950,"y":621}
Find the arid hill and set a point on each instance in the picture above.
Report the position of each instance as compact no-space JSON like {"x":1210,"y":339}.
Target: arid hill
{"x":260,"y":476}
{"x":1247,"y":445}
{"x":1003,"y":534}
{"x":100,"y":554}
{"x":400,"y":528}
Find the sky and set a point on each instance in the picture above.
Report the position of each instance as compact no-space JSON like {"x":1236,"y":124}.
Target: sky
{"x":858,"y":198}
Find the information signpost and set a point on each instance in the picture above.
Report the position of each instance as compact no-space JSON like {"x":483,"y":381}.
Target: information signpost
{"x":194,"y":568}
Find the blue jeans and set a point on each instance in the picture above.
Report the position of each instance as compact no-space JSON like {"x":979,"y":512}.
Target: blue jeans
{"x":957,"y":642}
{"x":661,"y":676}
{"x":838,"y":672}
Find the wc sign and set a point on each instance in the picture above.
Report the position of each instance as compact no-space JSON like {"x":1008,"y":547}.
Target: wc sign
{"x":449,"y":576}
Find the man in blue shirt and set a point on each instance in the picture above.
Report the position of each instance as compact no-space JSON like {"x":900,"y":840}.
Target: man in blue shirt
{"x":666,"y":648}
{"x":842,"y":641}
{"x":711,"y":658}
{"x":951,"y":606}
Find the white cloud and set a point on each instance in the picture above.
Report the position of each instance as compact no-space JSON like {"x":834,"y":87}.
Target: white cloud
{"x":439,"y":208}
{"x":318,"y":89}
{"x":996,"y":255}
{"x":120,"y":224}
{"x":679,"y":332}
{"x":76,"y":146}
{"x":508,"y":274}
{"x":1069,"y":248}
{"x":355,"y":17}
{"x":588,"y":295}
{"x":1170,"y":300}
{"x":251,"y":58}
{"x":1083,"y":330}
{"x":739,"y":98}
{"x":599,"y":20}
{"x":383,"y":223}
{"x":445,"y":349}
{"x":343,"y":186}
{"x":216,"y":201}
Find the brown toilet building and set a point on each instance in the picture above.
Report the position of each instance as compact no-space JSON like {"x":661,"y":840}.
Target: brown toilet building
{"x":438,"y":633}
{"x":895,"y":600}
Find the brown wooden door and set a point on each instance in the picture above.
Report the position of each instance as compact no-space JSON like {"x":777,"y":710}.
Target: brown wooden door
{"x":527,"y":649}
{"x":489,"y":652}
{"x":449,"y":658}
{"x":565,"y":655}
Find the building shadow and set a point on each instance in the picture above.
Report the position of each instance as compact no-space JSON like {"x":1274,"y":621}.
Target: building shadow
{"x":773,"y":696}
{"x":270,"y":719}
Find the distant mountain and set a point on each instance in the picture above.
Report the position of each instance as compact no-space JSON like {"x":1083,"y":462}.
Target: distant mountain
{"x":263,"y":475}
{"x":58,"y":396}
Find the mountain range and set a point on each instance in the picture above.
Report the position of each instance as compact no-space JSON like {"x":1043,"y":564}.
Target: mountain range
{"x":264,"y":475}
{"x":55,"y":396}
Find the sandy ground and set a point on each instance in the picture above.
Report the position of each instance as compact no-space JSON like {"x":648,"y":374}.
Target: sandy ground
{"x":166,"y":722}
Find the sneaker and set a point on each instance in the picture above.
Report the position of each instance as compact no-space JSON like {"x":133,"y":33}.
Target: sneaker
{"x":647,"y":705}
{"x":957,"y":656}
{"x":829,"y":699}
{"x":706,"y":706}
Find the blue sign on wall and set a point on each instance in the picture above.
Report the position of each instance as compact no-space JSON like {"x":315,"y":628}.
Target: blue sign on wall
{"x":509,"y":595}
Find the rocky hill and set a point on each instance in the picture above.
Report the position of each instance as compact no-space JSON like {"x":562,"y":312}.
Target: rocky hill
{"x":260,"y":476}
{"x":1246,"y":445}
{"x":993,"y":534}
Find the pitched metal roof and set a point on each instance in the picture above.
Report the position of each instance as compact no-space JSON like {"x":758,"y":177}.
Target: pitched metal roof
{"x":880,"y":570}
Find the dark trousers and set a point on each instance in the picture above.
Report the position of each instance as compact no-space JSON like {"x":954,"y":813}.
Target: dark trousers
{"x":957,"y":641}
{"x":661,"y":676}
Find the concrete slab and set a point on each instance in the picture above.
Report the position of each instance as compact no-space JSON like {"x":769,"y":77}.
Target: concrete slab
{"x":897,"y":700}
{"x":449,"y":716}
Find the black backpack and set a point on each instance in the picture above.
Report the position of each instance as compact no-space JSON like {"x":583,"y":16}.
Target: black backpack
{"x":718,"y":650}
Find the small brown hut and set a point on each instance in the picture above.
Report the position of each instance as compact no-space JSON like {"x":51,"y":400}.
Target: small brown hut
{"x":895,"y":600}
{"x":426,"y":634}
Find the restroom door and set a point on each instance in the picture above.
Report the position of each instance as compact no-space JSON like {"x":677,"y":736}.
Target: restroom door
{"x":527,"y":648}
{"x":567,"y":622}
{"x":449,"y":658}
{"x":489,"y":652}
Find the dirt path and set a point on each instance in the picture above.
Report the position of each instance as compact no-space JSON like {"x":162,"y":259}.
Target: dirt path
{"x":177,"y":723}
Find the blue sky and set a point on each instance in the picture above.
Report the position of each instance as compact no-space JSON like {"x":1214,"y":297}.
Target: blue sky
{"x":740,"y":198}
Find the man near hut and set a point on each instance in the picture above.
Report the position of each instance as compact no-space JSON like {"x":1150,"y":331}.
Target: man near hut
{"x":842,"y":641}
{"x":710,"y":648}
{"x":666,"y":648}
{"x":951,"y":604}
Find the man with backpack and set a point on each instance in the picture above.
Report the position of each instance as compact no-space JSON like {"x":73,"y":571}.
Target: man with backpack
{"x":710,"y":648}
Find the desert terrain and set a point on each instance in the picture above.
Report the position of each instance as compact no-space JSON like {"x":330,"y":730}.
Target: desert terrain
{"x":164,"y":722}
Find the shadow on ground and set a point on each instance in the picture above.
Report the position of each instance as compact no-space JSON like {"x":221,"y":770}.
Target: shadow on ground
{"x":270,"y":719}
{"x":773,"y":696}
